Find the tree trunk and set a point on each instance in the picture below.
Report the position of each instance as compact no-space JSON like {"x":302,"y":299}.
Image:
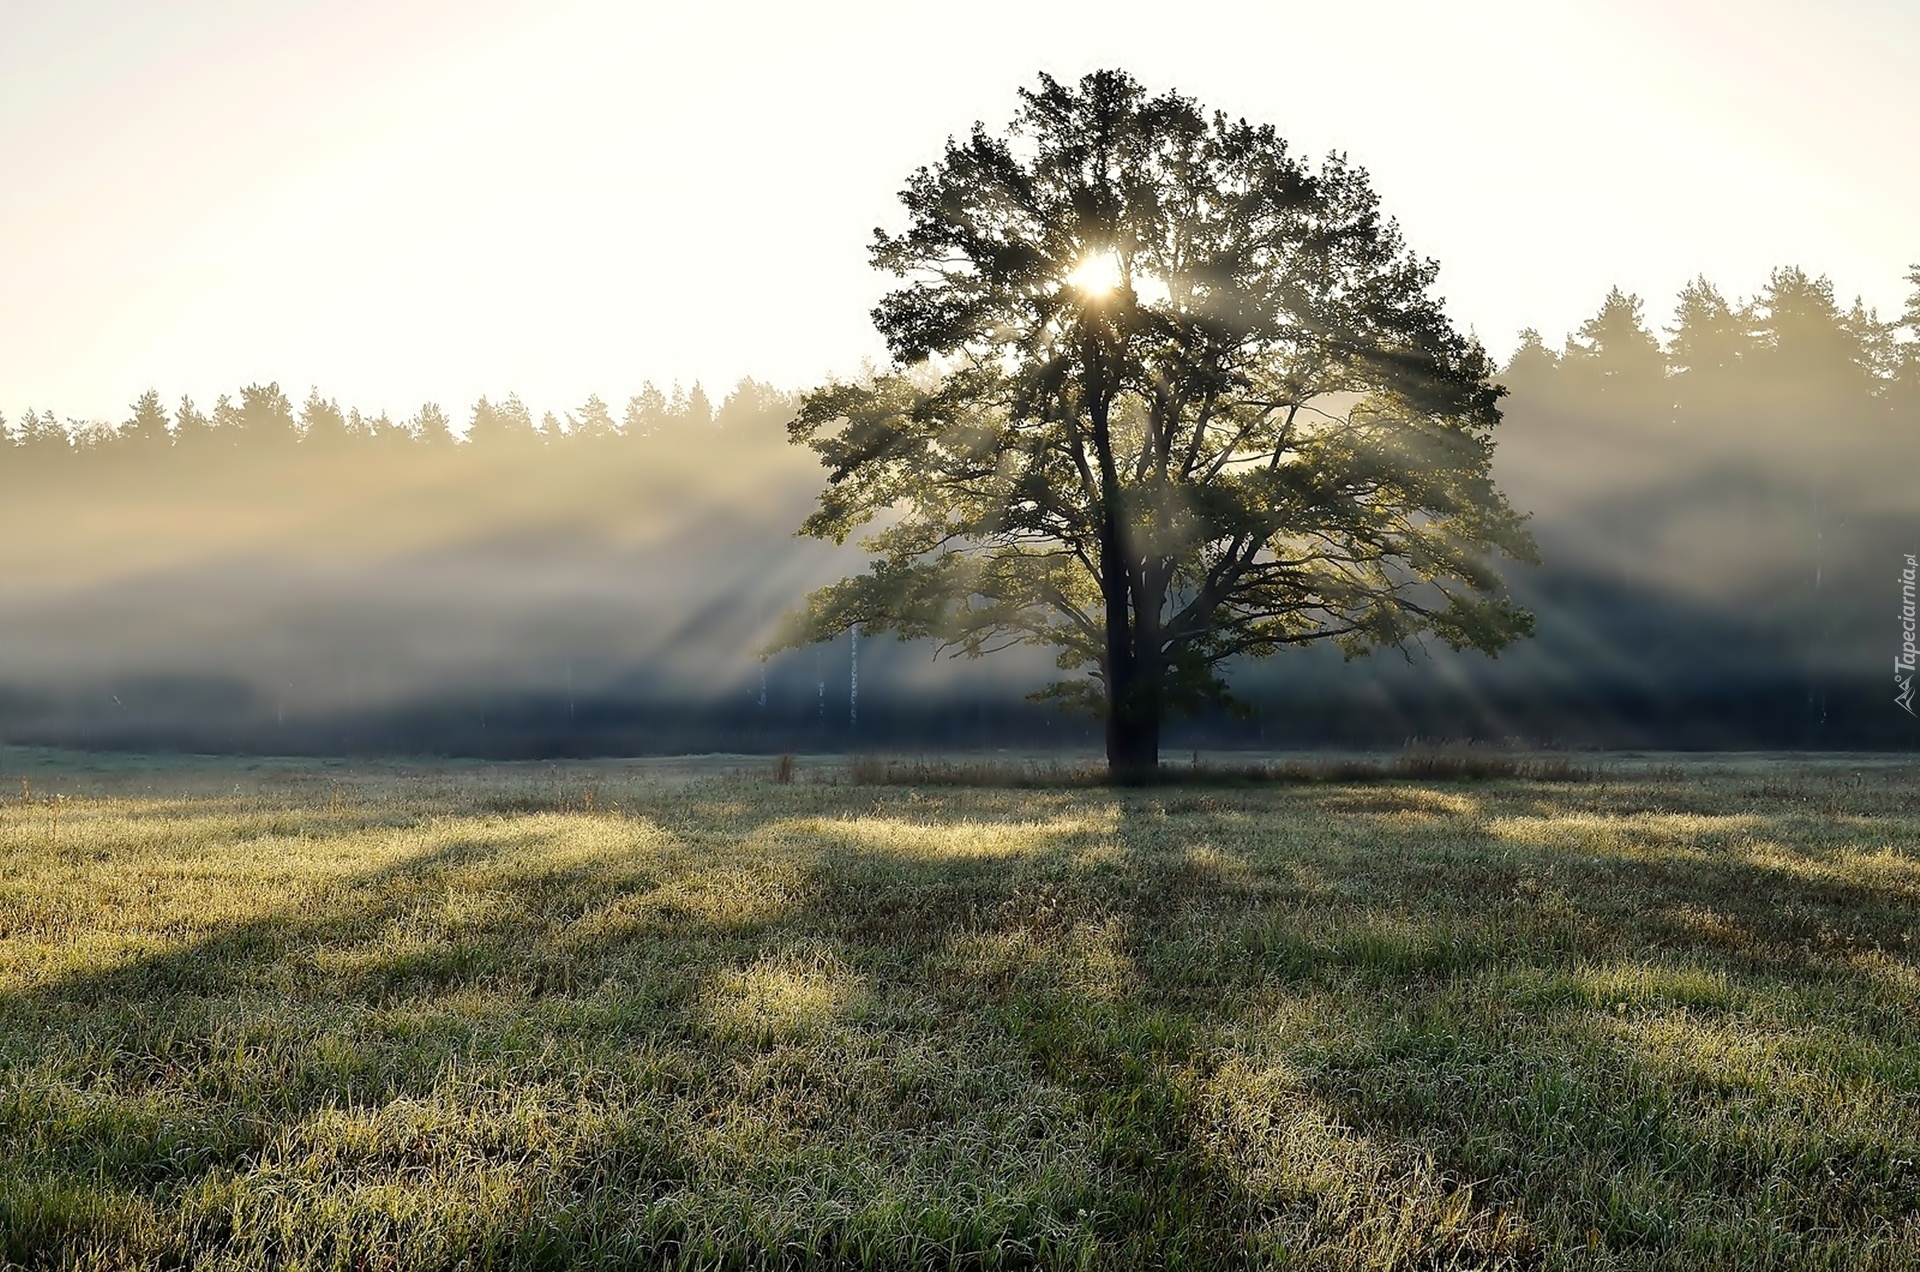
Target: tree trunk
{"x":1132,"y":653}
{"x":1133,"y":745}
{"x":1133,"y":752}
{"x":1133,"y":699}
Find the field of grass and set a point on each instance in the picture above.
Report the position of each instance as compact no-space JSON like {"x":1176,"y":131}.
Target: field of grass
{"x":684,"y":1015}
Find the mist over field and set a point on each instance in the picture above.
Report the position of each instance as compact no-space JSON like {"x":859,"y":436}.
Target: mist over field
{"x":420,"y":200}
{"x":338,"y":583}
{"x":1720,"y":488}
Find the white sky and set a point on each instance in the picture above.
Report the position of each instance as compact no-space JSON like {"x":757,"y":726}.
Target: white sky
{"x":402,"y":200}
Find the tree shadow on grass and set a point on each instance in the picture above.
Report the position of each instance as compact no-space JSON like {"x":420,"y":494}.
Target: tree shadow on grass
{"x":222,"y":1091}
{"x":1336,"y":1027}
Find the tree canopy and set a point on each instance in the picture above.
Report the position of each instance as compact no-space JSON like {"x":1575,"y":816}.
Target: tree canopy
{"x":1164,"y":397}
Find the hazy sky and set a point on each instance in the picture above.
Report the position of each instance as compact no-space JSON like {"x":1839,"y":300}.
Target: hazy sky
{"x":409,"y":199}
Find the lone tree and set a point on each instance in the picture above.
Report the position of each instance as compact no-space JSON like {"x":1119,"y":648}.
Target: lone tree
{"x":1163,"y":397}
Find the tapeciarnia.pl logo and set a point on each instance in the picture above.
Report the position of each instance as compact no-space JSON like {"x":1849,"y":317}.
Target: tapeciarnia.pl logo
{"x":1903,"y":665}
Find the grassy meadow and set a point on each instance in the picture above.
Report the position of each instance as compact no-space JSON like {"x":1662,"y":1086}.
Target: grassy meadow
{"x":1644,"y":1014}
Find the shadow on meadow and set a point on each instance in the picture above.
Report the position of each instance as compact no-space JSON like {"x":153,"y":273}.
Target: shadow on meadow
{"x":1355,"y":1026}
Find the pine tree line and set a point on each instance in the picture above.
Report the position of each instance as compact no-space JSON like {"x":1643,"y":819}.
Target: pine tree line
{"x":1786,"y":351}
{"x":260,"y":418}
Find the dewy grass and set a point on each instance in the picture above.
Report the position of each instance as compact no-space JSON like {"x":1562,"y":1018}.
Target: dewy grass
{"x":446,"y":1016}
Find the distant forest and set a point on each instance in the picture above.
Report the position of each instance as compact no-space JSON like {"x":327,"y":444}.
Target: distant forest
{"x":263,"y":422}
{"x":1722,"y":495}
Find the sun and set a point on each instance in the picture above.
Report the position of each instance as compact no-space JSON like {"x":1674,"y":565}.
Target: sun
{"x":1099,"y":274}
